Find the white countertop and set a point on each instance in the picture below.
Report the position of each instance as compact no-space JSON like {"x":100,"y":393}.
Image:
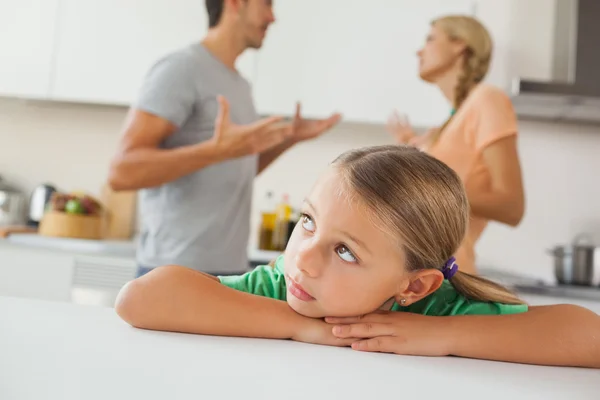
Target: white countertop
{"x":110,"y":248}
{"x":52,"y":350}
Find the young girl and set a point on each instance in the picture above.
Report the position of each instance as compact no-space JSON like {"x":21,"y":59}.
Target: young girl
{"x":370,"y":266}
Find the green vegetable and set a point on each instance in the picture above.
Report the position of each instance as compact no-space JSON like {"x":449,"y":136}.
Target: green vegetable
{"x":74,"y":206}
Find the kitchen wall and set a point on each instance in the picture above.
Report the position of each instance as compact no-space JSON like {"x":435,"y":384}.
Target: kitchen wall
{"x":70,"y":145}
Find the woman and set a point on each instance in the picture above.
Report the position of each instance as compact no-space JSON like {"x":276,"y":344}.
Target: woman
{"x":479,"y":140}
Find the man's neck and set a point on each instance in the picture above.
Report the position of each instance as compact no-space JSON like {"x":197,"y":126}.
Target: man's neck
{"x":224,"y":45}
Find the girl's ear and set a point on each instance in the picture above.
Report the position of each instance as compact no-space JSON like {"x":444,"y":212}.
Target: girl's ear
{"x":421,"y":285}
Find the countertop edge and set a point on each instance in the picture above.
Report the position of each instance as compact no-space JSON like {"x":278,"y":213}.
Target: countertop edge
{"x":108,"y":248}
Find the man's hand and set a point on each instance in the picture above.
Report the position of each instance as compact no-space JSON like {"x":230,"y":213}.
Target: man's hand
{"x":306,"y":129}
{"x":394,"y":332}
{"x":232,"y":141}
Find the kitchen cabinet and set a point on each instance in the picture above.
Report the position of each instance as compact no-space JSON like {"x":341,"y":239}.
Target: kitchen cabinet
{"x":97,"y":280}
{"x":59,"y":275}
{"x":523,"y":35}
{"x":105,"y":47}
{"x":35,"y":273}
{"x":335,"y":55}
{"x":340,"y":55}
{"x":26,"y":45}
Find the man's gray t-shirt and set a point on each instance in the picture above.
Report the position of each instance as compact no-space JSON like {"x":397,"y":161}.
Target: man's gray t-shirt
{"x":201,"y":220}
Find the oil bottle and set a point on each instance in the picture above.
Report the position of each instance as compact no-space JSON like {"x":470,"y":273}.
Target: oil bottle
{"x":283,"y":216}
{"x":267,"y":224}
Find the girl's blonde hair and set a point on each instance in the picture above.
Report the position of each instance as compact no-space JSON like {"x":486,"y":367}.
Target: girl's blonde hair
{"x":476,"y":57}
{"x":420,"y":201}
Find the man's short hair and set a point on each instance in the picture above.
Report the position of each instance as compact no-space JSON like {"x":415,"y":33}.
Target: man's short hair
{"x":214,"y":8}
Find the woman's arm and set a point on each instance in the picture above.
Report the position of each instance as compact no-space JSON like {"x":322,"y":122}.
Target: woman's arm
{"x":504,"y":199}
{"x":561,"y":335}
{"x":179,"y":299}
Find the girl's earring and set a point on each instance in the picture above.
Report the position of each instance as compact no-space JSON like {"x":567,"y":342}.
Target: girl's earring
{"x":403,"y":302}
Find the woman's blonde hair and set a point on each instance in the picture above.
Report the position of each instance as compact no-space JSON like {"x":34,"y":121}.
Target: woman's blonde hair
{"x":476,"y":57}
{"x":422,"y":202}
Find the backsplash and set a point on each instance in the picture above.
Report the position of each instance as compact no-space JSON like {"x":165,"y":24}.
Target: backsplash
{"x":71,"y":146}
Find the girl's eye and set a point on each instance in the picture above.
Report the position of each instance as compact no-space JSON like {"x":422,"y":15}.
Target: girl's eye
{"x":307,"y":223}
{"x":345,"y":254}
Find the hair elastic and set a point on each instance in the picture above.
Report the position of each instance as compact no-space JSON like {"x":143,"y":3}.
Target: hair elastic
{"x":450,"y":268}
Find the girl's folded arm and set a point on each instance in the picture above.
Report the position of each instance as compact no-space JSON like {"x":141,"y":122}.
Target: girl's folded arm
{"x":179,"y":299}
{"x":561,"y":335}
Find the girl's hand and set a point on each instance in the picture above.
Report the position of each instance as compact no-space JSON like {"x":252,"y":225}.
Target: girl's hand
{"x":395,"y":332}
{"x":399,"y":127}
{"x":317,"y":331}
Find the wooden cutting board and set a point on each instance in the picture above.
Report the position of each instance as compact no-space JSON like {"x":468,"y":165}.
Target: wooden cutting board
{"x":121,"y":210}
{"x":5,"y":231}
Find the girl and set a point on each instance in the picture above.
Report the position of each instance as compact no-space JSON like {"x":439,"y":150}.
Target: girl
{"x":369,"y":266}
{"x":479,"y":140}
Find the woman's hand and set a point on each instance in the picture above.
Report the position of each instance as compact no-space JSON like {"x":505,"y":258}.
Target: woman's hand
{"x":394,"y":332}
{"x":399,"y":127}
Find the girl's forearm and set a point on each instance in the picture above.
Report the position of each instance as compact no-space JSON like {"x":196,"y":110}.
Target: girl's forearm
{"x":562,"y":335}
{"x":179,"y":299}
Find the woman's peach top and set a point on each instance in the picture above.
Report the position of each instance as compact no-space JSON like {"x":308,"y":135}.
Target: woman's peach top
{"x":485,"y":116}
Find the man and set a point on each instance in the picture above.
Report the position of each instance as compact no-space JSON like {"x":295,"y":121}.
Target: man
{"x":193,"y":144}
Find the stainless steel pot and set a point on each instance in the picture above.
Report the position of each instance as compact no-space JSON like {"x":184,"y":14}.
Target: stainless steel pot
{"x":13,"y":206}
{"x":574,"y":264}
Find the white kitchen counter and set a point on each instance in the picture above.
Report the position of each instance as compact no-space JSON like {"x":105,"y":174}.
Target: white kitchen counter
{"x":52,"y":350}
{"x":108,"y":248}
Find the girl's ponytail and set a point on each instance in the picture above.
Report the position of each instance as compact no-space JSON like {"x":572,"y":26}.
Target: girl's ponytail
{"x":480,"y":289}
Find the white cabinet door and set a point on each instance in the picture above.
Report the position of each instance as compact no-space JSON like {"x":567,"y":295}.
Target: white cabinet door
{"x":26,"y":46}
{"x":98,"y":279}
{"x":35,"y":273}
{"x":105,"y":47}
{"x":343,"y":55}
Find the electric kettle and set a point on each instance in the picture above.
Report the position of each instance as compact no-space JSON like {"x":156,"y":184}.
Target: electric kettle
{"x":37,"y":204}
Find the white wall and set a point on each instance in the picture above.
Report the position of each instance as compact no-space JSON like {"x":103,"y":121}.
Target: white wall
{"x":71,"y":146}
{"x":68,"y":145}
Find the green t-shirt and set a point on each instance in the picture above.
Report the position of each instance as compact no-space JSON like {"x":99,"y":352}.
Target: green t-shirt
{"x":269,"y":281}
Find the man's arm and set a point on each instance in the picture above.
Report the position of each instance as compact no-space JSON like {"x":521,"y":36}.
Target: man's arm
{"x":266,"y":158}
{"x":303,"y":129}
{"x":140,"y":163}
{"x":561,"y":335}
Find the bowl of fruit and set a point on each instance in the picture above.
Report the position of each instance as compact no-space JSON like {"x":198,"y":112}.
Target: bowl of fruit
{"x":73,"y":215}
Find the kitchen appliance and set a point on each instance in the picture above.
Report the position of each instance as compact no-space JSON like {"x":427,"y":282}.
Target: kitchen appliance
{"x":37,"y":204}
{"x":13,"y":205}
{"x":574,"y":264}
{"x":573,"y":93}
